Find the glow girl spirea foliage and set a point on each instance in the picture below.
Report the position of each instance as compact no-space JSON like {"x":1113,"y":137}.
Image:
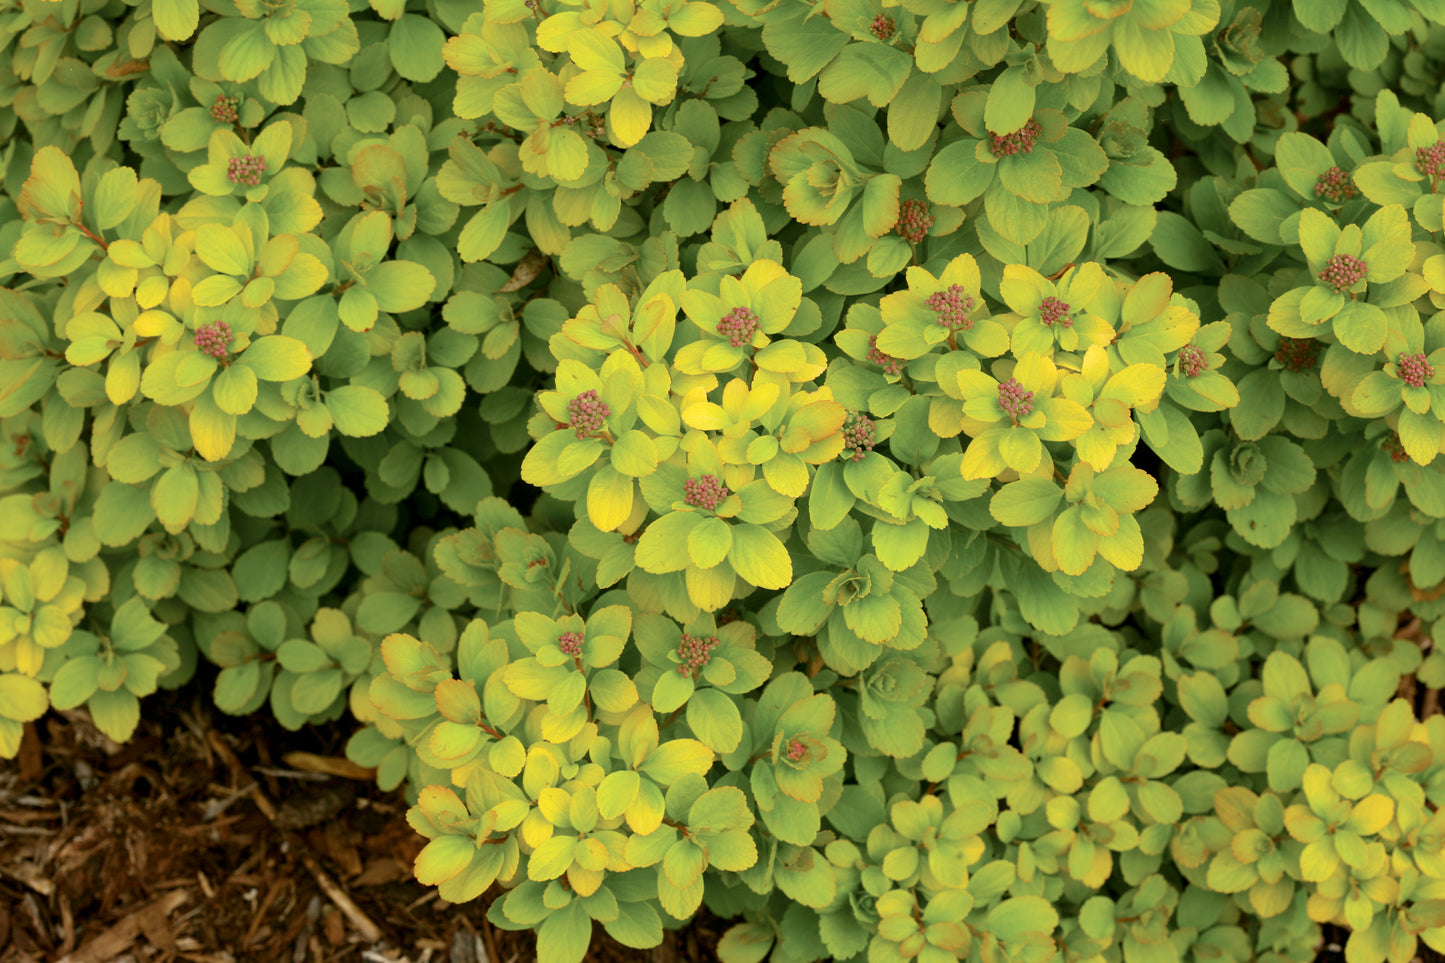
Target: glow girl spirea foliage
{"x":926,"y":480}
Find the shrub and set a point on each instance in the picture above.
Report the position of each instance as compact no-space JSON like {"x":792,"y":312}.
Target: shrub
{"x":927,"y":480}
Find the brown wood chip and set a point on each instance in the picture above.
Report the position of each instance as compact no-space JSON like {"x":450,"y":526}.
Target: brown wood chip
{"x":108,"y":945}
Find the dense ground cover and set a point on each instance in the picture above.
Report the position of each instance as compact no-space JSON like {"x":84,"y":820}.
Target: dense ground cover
{"x":923,"y":480}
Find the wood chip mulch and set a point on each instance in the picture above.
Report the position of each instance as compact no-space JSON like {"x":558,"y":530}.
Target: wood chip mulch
{"x":212,"y":839}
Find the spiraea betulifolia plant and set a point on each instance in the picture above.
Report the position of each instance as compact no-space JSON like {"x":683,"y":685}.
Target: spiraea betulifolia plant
{"x":925,"y":480}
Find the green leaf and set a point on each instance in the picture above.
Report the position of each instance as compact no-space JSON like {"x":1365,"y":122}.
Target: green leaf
{"x":757,"y":556}
{"x":1074,"y":544}
{"x":315,"y":692}
{"x":1147,"y":54}
{"x":75,"y":681}
{"x":1261,"y":404}
{"x":551,"y":858}
{"x":616,"y":793}
{"x":913,"y":113}
{"x":1320,"y":16}
{"x":1301,"y":159}
{"x":216,"y":290}
{"x":1108,"y":801}
{"x":1015,"y":918}
{"x":116,"y":194}
{"x":176,"y":496}
{"x":610,"y":496}
{"x":241,"y":48}
{"x":746,"y":943}
{"x":383,"y":612}
{"x":122,"y":514}
{"x":676,"y":759}
{"x":1286,"y":765}
{"x":260,"y":571}
{"x":1010,"y":101}
{"x":276,"y":357}
{"x":565,"y":935}
{"x":1120,"y":739}
{"x":715,"y":720}
{"x":443,"y":858}
{"x":710,"y":542}
{"x":1260,"y":212}
{"x":1036,"y":177}
{"x":1361,"y":327}
{"x":53,"y":188}
{"x":236,"y":687}
{"x":1203,"y":697}
{"x":1362,"y":42}
{"x":689,"y":207}
{"x":134,"y":459}
{"x":400,"y":285}
{"x":1141,"y":184}
{"x":115,"y":713}
{"x":1180,"y":245}
{"x":22,"y":698}
{"x":957,"y":176}
{"x":1027,"y":502}
{"x":235,"y":389}
{"x":1211,"y":101}
{"x":869,"y":70}
{"x":301,"y":655}
{"x":634,"y":454}
{"x":804,"y":607}
{"x":484,"y":233}
{"x":221,"y":250}
{"x":358,"y":411}
{"x":1072,"y":715}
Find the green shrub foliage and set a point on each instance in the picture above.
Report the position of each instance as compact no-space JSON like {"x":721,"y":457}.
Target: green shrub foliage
{"x":928,"y":480}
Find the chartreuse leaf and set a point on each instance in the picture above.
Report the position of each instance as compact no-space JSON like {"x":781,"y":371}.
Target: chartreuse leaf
{"x":276,"y":358}
{"x":829,"y":489}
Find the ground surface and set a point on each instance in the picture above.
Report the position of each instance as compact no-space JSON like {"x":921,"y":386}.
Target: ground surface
{"x":157,"y":851}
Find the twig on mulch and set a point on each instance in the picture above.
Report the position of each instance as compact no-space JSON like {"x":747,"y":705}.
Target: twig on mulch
{"x":369,"y":930}
{"x":150,"y":919}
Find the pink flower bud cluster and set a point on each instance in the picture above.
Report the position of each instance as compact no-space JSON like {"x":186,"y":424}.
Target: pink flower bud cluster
{"x":728,"y":616}
{"x":914,"y":221}
{"x":215,"y":340}
{"x":706,"y":492}
{"x":796,"y":750}
{"x":859,"y":432}
{"x":570,"y":643}
{"x":1020,"y":141}
{"x":1343,"y":271}
{"x":1414,"y":370}
{"x":1392,"y":447}
{"x":1336,"y":185}
{"x":224,"y":110}
{"x":1297,"y":354}
{"x":953,"y":307}
{"x":1430,"y":161}
{"x":245,"y":170}
{"x":1015,"y":400}
{"x":1192,"y":361}
{"x":738,"y":326}
{"x":588,"y":414}
{"x":1054,"y":311}
{"x":889,"y":364}
{"x":882,"y":27}
{"x":695,"y":653}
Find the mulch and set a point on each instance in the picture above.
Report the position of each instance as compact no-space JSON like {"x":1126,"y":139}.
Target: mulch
{"x":163,"y":850}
